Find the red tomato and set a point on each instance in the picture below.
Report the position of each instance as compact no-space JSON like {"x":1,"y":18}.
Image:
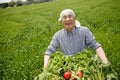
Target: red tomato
{"x":79,"y":74}
{"x":67,"y":75}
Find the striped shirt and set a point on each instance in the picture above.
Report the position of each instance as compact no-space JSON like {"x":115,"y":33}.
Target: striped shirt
{"x":72,"y":42}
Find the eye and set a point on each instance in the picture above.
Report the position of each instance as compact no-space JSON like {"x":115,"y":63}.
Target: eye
{"x":64,"y":17}
{"x":67,"y":16}
{"x":70,"y":16}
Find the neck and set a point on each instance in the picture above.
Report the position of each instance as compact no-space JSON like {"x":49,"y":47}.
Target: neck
{"x":69,"y":30}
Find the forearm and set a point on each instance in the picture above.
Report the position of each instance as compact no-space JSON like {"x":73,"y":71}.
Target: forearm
{"x":46,"y":59}
{"x":100,"y":52}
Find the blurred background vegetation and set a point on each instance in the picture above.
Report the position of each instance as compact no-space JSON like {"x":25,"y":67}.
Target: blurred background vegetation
{"x":15,"y":3}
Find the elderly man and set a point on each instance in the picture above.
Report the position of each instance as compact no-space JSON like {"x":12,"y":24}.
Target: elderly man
{"x":73,"y":38}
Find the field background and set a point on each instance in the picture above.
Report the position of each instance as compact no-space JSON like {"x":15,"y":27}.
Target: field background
{"x":25,"y":33}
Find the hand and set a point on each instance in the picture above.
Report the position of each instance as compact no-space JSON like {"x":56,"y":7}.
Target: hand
{"x":109,"y":72}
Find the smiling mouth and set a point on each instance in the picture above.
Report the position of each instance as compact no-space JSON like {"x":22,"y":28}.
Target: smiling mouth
{"x":68,"y":24}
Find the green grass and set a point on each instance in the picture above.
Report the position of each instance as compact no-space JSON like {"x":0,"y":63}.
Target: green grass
{"x":26,"y":31}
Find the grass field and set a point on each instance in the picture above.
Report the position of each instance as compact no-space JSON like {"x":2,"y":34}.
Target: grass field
{"x":25,"y":33}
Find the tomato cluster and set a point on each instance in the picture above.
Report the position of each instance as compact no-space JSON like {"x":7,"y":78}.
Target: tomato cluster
{"x":67,"y":75}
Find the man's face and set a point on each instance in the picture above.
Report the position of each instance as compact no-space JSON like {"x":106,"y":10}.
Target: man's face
{"x":68,"y":21}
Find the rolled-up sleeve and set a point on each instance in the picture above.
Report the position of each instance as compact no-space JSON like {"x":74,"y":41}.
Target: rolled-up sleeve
{"x":53,"y":44}
{"x":90,"y":40}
